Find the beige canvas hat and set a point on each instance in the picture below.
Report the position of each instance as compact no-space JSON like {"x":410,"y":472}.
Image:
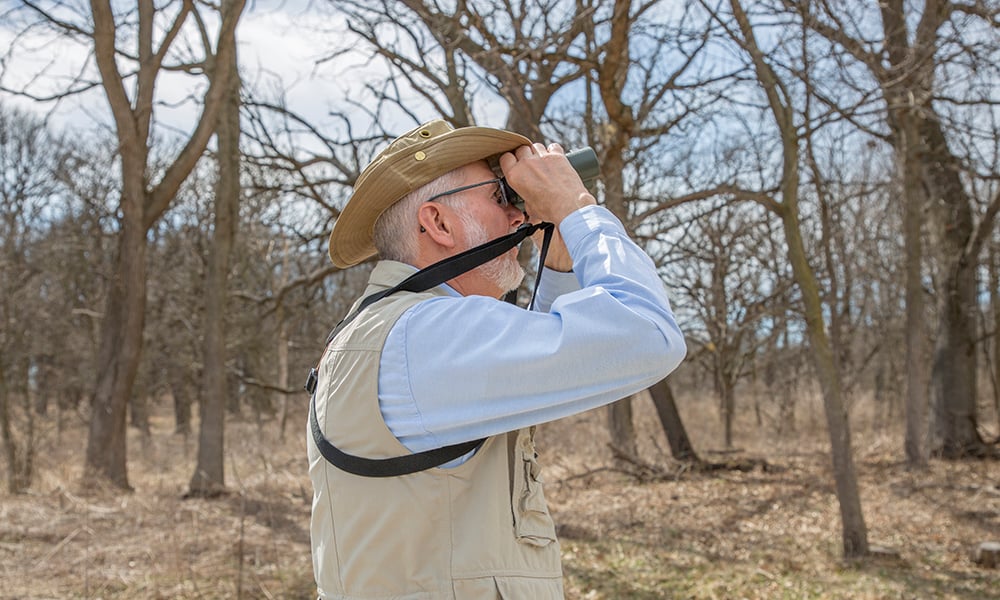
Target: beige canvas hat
{"x":409,"y":162}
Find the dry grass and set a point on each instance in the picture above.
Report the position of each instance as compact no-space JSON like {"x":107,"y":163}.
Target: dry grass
{"x":762,"y":534}
{"x":771,"y":533}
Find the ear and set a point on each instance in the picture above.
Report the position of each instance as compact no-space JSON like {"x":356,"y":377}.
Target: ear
{"x":437,"y":221}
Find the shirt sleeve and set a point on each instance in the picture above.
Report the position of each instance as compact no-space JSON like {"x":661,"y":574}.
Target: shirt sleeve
{"x":455,"y":368}
{"x":553,"y":285}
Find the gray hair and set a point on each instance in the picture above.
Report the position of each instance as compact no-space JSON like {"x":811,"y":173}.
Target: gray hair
{"x":396,"y":229}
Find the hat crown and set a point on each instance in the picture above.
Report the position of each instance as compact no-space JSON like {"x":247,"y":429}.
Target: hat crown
{"x":391,"y":161}
{"x":407,"y":163}
{"x":418,"y":136}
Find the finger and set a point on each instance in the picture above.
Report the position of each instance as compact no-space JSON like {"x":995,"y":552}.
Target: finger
{"x":524,"y":152}
{"x":556,"y":148}
{"x":507,"y":161}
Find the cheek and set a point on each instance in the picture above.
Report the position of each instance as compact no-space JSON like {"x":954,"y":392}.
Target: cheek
{"x":502,"y":222}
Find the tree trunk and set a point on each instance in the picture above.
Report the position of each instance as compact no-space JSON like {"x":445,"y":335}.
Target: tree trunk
{"x":279,"y":316}
{"x":40,"y":397}
{"x":10,"y":450}
{"x":666,"y":408}
{"x":854,"y":530}
{"x":955,"y":428}
{"x":182,"y":405}
{"x":786,"y":411}
{"x":141,"y":207}
{"x":139,"y":410}
{"x":209,"y":473}
{"x":728,"y":410}
{"x":931,"y":180}
{"x":282,"y":370}
{"x":18,"y":437}
{"x":915,"y":442}
{"x":781,"y":386}
{"x":621,"y":427}
{"x":995,"y":311}
{"x":954,"y":388}
{"x":119,"y":353}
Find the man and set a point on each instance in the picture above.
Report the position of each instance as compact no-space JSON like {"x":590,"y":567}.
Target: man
{"x":418,"y":370}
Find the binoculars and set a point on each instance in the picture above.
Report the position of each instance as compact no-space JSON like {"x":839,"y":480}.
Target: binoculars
{"x":584,"y":162}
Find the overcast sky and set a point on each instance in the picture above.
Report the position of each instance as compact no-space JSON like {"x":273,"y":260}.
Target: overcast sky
{"x":279,"y":47}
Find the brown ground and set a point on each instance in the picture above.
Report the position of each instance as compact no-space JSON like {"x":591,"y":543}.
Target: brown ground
{"x":766,"y":533}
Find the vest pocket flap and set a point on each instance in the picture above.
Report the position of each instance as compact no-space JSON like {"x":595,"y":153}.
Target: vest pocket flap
{"x":510,"y":588}
{"x":533,"y":524}
{"x":536,"y":588}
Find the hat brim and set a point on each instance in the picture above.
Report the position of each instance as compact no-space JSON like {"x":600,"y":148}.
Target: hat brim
{"x":394,"y":175}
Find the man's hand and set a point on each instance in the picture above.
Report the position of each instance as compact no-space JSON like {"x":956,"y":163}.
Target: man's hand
{"x":557,"y":258}
{"x":544,"y":178}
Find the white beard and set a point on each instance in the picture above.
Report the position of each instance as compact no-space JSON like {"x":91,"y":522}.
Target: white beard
{"x":503,"y":271}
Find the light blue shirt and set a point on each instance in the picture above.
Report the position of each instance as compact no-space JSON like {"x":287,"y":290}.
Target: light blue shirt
{"x":457,"y":368}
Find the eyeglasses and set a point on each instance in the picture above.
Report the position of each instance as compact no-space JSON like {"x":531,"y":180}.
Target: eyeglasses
{"x":504,"y":196}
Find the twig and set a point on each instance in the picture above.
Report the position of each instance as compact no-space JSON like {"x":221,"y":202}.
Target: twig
{"x":645,"y":471}
{"x":584,"y":474}
{"x":69,"y":538}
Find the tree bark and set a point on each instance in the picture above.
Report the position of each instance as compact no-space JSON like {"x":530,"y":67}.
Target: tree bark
{"x":728,"y":399}
{"x":853,"y":528}
{"x":621,"y":427}
{"x":118,"y":354}
{"x":141,"y":207}
{"x":182,"y":404}
{"x":283,"y":342}
{"x":681,"y":447}
{"x":915,"y":441}
{"x":10,"y":450}
{"x":954,"y":387}
{"x":995,"y":311}
{"x":931,"y":181}
{"x":209,"y":474}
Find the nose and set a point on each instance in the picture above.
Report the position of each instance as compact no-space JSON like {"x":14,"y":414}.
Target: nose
{"x":515,"y":215}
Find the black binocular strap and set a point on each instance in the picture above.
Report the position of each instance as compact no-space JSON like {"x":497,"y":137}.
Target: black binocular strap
{"x":420,"y":281}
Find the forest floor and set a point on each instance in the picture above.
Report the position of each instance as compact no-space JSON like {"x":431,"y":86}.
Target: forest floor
{"x":769,"y":532}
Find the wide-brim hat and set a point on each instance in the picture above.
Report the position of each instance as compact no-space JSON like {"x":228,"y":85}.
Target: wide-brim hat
{"x":409,"y":162}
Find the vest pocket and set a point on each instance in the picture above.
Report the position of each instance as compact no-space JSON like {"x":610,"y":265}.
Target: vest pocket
{"x":533,"y":524}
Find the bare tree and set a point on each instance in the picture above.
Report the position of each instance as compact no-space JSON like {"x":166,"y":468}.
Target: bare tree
{"x":28,"y":160}
{"x":142,"y":203}
{"x":132,"y":48}
{"x":784,"y":202}
{"x":175,"y":308}
{"x":525,"y":50}
{"x":637,"y":115}
{"x":993,"y":352}
{"x":731,"y":287}
{"x":904,"y":63}
{"x":209,"y":473}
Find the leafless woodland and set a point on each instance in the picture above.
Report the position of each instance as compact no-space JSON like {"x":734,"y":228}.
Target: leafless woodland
{"x":818,"y":183}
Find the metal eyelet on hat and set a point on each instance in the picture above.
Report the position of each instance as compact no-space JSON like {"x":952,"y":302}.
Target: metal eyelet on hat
{"x":424,"y":133}
{"x":419,"y":155}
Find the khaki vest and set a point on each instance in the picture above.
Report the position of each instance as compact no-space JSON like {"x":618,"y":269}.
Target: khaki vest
{"x":480,"y":530}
